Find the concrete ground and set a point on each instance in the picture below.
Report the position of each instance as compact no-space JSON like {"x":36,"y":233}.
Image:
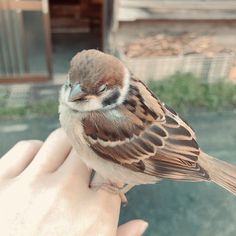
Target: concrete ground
{"x":171,"y":208}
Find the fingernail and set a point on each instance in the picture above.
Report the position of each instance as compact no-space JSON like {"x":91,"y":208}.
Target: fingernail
{"x":143,"y":227}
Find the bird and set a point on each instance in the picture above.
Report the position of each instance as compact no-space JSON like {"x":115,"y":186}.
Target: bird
{"x":126,"y":134}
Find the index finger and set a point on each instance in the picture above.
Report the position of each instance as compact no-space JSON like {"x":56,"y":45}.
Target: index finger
{"x":51,"y":155}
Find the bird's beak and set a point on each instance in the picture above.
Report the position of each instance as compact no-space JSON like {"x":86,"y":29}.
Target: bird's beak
{"x":76,"y":94}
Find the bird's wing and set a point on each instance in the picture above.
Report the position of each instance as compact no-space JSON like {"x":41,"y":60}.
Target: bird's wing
{"x":146,"y":136}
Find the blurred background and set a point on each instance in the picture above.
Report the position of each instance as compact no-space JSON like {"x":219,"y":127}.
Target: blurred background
{"x":183,"y":49}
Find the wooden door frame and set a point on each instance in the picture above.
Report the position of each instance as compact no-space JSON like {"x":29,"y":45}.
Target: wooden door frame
{"x":23,"y":5}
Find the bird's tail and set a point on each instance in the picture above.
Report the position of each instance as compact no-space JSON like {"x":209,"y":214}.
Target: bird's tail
{"x":220,"y":172}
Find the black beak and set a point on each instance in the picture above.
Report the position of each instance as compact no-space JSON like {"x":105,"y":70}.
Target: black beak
{"x":76,"y":94}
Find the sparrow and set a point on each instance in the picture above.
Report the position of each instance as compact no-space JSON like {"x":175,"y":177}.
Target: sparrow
{"x":125,"y":134}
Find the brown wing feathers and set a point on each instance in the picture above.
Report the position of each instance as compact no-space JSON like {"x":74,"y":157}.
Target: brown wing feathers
{"x":150,"y":138}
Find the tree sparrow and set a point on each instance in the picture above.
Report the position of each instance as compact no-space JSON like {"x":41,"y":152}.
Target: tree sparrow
{"x":123,"y":132}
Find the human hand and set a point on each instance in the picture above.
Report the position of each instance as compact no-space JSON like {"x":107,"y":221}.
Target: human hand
{"x":44,"y":191}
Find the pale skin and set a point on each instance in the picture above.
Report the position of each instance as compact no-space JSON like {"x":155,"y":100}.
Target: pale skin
{"x":44,"y":191}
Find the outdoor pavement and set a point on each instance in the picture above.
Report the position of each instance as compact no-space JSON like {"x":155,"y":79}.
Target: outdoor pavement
{"x":171,"y":208}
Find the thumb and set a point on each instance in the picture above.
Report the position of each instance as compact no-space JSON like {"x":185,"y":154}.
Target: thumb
{"x":132,"y":228}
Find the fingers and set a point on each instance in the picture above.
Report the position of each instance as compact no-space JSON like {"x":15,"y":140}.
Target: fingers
{"x":74,"y":175}
{"x":18,"y":158}
{"x":52,"y":154}
{"x":132,"y":228}
{"x":74,"y":171}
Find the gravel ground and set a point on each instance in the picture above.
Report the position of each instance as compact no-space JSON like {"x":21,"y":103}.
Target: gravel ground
{"x":171,"y":208}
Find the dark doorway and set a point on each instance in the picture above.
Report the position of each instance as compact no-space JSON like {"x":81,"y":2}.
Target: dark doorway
{"x":75,"y":25}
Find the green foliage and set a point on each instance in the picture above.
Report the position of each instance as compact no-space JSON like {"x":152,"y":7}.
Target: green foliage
{"x":184,"y":92}
{"x":43,"y":108}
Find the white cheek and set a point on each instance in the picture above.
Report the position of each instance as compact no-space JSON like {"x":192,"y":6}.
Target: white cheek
{"x":125,"y":89}
{"x":64,"y":93}
{"x":90,"y":105}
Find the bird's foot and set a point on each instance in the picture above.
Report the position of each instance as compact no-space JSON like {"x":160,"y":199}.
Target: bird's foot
{"x":98,"y":182}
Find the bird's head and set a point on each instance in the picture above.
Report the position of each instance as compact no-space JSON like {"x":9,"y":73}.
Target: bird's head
{"x":95,"y":81}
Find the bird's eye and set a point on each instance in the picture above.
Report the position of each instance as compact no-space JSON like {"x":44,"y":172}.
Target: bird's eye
{"x":102,"y":88}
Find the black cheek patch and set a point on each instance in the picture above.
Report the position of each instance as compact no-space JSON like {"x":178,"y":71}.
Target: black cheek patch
{"x":111,"y":99}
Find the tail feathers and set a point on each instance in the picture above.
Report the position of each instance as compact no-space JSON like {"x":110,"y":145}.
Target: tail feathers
{"x":220,"y":172}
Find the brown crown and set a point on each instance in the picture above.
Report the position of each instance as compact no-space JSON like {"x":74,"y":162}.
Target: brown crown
{"x":92,"y":68}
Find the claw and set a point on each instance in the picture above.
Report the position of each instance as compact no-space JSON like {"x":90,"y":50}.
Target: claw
{"x":91,"y":178}
{"x":97,"y":182}
{"x":123,"y":199}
